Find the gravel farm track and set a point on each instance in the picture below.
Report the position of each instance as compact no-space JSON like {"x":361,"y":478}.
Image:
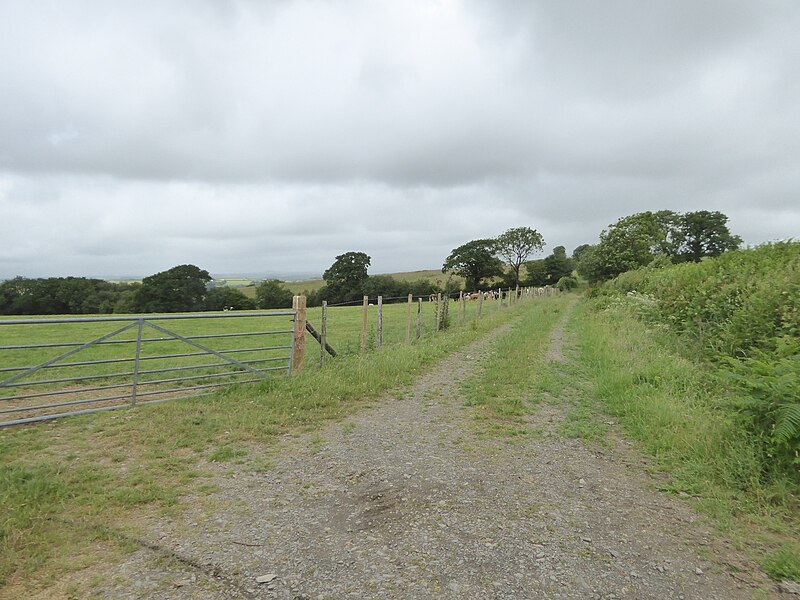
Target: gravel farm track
{"x":409,"y":499}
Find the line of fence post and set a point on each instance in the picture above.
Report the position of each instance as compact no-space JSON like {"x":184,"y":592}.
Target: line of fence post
{"x":298,"y":352}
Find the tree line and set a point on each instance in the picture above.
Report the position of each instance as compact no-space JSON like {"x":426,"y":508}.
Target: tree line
{"x":184,"y":288}
{"x":638,"y":240}
{"x":646,"y":238}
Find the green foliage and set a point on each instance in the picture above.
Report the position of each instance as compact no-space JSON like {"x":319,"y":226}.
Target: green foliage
{"x":61,"y":296}
{"x":558,"y":265}
{"x":566,"y":284}
{"x":680,"y":414}
{"x":345,"y":278}
{"x":474,"y":261}
{"x":537,"y":275}
{"x":515,"y":245}
{"x":578,"y":252}
{"x":221,"y":298}
{"x":270,"y":293}
{"x":741,"y":311}
{"x":181,"y":288}
{"x":784,"y":563}
{"x":634,"y":241}
{"x":769,"y":383}
{"x":590,"y":265}
{"x":702,"y":233}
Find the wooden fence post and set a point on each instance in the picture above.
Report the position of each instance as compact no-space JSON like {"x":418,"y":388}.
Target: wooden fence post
{"x":438,"y":310}
{"x":480,"y":304}
{"x":380,"y":321}
{"x":299,"y":350}
{"x":324,"y":333}
{"x":419,"y":317}
{"x":463,"y":307}
{"x":408,"y":319}
{"x":364,"y":318}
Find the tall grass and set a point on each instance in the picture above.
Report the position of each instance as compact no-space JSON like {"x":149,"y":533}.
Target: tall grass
{"x":701,"y":363}
{"x":741,"y":313}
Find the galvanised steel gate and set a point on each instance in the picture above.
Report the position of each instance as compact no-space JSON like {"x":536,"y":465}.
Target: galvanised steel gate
{"x":45,"y":373}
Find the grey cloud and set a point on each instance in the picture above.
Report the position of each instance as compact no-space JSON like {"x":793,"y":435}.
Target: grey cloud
{"x":294,"y":131}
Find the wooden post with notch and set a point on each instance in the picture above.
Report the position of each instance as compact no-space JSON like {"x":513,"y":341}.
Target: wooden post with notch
{"x":364,"y":319}
{"x":299,"y":350}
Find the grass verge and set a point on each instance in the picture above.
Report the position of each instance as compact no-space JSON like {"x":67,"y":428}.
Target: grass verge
{"x":680,"y":416}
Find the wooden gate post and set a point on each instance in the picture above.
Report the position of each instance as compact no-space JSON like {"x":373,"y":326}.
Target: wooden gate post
{"x":299,"y":350}
{"x":364,"y":318}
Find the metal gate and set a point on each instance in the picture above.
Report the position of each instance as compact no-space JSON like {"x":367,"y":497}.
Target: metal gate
{"x":133,"y":360}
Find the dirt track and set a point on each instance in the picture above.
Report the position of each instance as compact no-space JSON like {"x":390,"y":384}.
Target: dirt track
{"x":407,"y":500}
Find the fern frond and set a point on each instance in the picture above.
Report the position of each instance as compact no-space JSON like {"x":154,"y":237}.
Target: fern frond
{"x":787,"y":423}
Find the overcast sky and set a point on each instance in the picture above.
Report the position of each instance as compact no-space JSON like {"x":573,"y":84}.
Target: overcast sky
{"x":270,"y":136}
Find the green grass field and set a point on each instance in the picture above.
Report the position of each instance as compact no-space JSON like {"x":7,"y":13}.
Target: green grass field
{"x":262,"y":342}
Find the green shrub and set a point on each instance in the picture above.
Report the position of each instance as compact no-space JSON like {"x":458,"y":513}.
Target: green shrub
{"x":741,"y":311}
{"x":567,"y":283}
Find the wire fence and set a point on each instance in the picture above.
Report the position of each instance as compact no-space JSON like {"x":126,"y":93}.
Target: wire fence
{"x":67,"y":366}
{"x":358,"y":326}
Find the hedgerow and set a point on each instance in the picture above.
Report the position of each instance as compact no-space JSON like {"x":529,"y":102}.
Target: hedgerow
{"x":742,"y":312}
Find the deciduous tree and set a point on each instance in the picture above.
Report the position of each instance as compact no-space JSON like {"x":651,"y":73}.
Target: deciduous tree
{"x":270,"y":293}
{"x":474,"y":261}
{"x":181,"y":288}
{"x":703,"y":233}
{"x":516,"y":245}
{"x":345,"y":279}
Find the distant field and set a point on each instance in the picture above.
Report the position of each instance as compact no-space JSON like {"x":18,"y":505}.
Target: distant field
{"x":435,"y":276}
{"x":234,"y":281}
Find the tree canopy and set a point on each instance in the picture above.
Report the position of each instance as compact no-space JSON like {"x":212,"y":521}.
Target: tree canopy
{"x":515,"y":245}
{"x":270,"y":293}
{"x":220,"y":298}
{"x":636,"y":240}
{"x":181,"y":288}
{"x":703,"y":233}
{"x":345,"y":278}
{"x":474,"y":261}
